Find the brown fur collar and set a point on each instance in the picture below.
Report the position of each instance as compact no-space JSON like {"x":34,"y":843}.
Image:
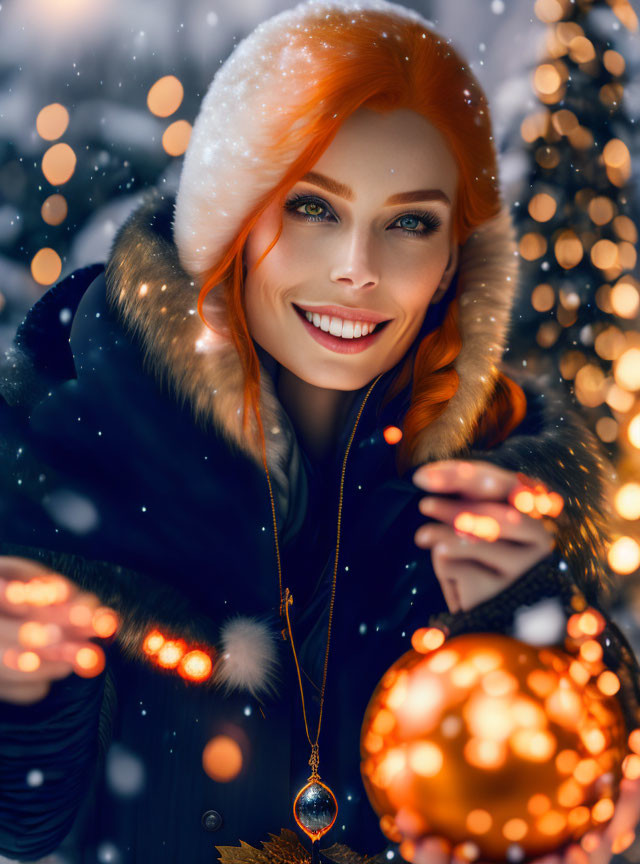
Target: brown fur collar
{"x":157,"y":299}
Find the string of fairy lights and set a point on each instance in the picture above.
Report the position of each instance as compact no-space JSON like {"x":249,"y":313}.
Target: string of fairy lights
{"x":59,"y":161}
{"x":579,"y":243}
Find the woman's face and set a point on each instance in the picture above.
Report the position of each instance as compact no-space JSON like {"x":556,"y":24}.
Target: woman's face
{"x":353,"y":237}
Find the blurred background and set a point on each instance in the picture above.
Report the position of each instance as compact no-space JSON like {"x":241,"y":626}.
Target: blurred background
{"x":97,"y":98}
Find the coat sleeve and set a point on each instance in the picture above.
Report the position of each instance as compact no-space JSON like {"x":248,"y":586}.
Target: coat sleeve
{"x":50,"y":752}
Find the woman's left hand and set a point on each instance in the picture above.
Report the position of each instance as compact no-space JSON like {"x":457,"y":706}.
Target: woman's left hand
{"x":484,"y":541}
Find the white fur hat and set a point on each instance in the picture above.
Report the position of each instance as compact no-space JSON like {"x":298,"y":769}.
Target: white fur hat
{"x":251,"y":102}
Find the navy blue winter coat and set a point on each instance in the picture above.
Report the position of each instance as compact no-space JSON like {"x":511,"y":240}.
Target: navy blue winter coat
{"x":109,"y":476}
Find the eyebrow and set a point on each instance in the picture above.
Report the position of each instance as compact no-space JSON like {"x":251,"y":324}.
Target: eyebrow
{"x":344,"y":191}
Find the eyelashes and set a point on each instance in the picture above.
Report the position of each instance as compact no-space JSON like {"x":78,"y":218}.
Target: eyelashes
{"x":430,"y":220}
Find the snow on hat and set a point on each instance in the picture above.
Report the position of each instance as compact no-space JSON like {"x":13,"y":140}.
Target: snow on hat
{"x":229,"y":165}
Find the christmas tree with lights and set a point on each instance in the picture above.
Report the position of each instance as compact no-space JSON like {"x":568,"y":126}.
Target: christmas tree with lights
{"x":578,"y":235}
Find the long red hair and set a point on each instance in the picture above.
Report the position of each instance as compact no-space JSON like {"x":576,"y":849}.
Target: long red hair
{"x":384,"y":63}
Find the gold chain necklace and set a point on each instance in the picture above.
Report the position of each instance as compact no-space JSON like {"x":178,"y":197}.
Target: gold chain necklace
{"x":315,"y":808}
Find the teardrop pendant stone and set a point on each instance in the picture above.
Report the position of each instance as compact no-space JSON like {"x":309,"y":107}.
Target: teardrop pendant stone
{"x":315,"y":809}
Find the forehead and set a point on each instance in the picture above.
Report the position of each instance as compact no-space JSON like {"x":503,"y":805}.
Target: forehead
{"x":389,"y":150}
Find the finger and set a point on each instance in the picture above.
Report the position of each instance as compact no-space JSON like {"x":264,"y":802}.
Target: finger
{"x":475,"y":479}
{"x":575,"y":854}
{"x":82,"y":614}
{"x":431,"y":850}
{"x":19,"y":694}
{"x":503,"y":559}
{"x":470,"y":583}
{"x":24,"y":587}
{"x":29,"y":667}
{"x":487,"y":520}
{"x":84,"y":658}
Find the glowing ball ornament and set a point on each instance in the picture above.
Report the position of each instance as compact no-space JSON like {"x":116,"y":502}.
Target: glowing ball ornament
{"x":496,"y":745}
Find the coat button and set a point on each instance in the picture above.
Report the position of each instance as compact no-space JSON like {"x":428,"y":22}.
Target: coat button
{"x":211,"y":820}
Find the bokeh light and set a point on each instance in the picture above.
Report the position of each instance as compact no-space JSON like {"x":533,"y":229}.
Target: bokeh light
{"x":627,"y":369}
{"x":568,"y":249}
{"x":196,"y":665}
{"x":625,"y":299}
{"x":52,"y":121}
{"x":601,"y":210}
{"x":176,"y":138}
{"x":532,"y":246}
{"x":613,"y":62}
{"x":543,"y":297}
{"x":46,"y":266}
{"x":604,"y":254}
{"x":546,"y":79}
{"x":165,"y":96}
{"x":581,"y":49}
{"x":54,"y":209}
{"x":58,"y":164}
{"x":627,"y":501}
{"x":624,"y":555}
{"x":222,"y":758}
{"x":615,"y":153}
{"x":392,"y":434}
{"x":542,"y":207}
{"x":633,"y":431}
{"x":607,"y":429}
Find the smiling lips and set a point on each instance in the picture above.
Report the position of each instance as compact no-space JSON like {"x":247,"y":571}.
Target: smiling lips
{"x":340,"y":335}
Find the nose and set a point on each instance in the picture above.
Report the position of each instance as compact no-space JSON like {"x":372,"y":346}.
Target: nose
{"x":353,"y":263}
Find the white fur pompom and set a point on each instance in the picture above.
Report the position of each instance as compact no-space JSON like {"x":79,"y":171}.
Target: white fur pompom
{"x":248,"y":657}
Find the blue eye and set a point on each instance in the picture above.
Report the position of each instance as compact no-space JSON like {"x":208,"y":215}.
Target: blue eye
{"x":294,"y":204}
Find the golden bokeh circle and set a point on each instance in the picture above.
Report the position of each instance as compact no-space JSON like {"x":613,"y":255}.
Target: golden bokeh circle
{"x":546,"y":79}
{"x":165,"y":96}
{"x":601,"y":210}
{"x":46,"y":266}
{"x":58,"y":164}
{"x":604,"y":254}
{"x":542,"y":207}
{"x":543,"y":297}
{"x":615,"y":153}
{"x":52,"y":121}
{"x":54,"y":209}
{"x":532,"y":245}
{"x":614,"y":62}
{"x":568,"y":249}
{"x":176,"y":137}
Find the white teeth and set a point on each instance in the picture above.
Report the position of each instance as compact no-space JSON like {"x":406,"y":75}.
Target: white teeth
{"x":344,"y":329}
{"x":347,"y":330}
{"x":335,"y":328}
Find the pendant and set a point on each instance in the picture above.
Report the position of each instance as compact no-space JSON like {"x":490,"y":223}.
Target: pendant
{"x":315,"y":808}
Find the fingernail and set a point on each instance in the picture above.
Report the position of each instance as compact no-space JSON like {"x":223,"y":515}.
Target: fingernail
{"x":422,"y":536}
{"x":431,"y":479}
{"x":428,"y":505}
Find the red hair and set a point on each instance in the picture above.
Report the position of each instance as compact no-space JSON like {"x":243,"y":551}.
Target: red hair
{"x":384,"y":63}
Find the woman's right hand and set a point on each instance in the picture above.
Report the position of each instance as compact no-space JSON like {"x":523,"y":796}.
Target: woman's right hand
{"x":45,"y":624}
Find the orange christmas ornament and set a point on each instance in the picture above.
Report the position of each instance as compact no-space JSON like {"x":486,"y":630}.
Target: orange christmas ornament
{"x":493,"y":744}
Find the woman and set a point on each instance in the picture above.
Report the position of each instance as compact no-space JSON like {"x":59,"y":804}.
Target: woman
{"x":144,"y":401}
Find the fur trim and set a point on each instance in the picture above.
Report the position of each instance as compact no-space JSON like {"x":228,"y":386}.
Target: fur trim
{"x":251,"y":102}
{"x":157,"y":300}
{"x":248,"y":656}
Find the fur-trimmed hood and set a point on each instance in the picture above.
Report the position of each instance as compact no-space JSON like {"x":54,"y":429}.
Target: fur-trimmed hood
{"x":157,"y":300}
